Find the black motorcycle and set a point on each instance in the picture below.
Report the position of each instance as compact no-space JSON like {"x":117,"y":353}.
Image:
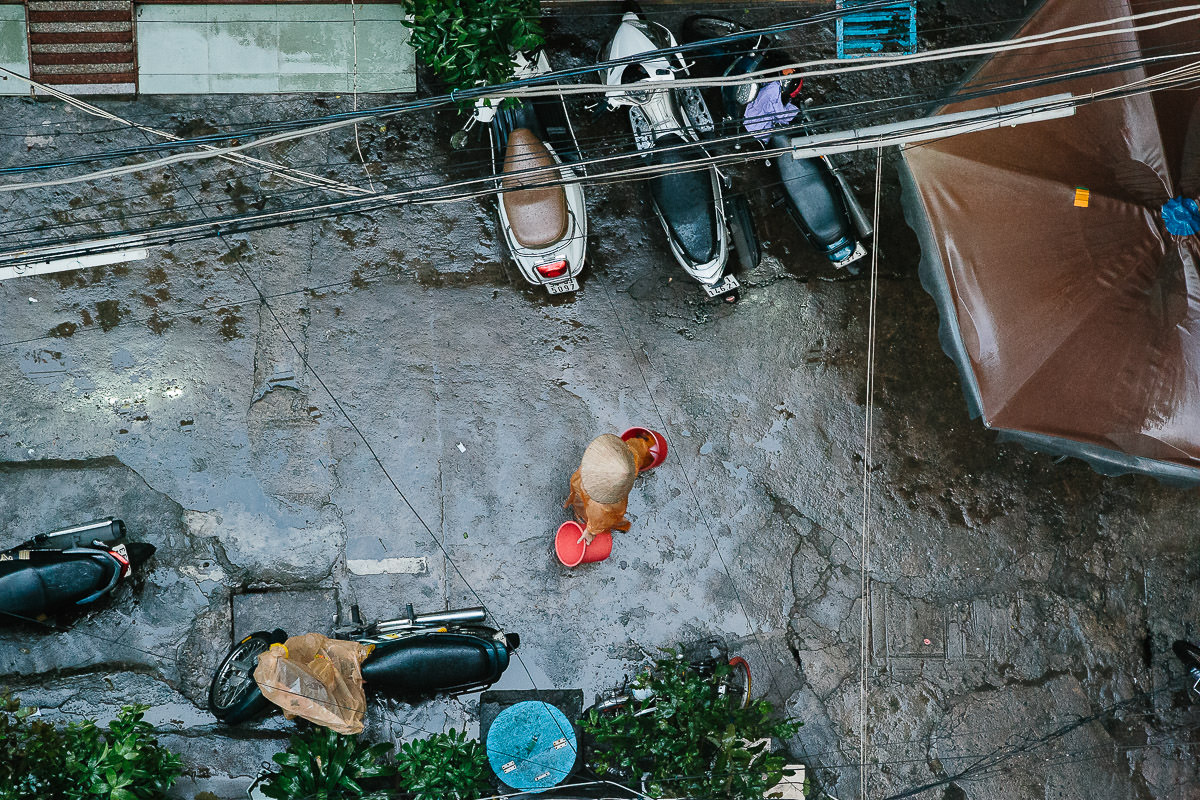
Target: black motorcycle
{"x":817,"y":196}
{"x":66,"y":569}
{"x":1189,"y":654}
{"x":416,"y":656}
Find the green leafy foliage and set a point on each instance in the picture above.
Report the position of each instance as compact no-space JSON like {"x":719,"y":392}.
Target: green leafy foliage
{"x":80,"y":761}
{"x":447,"y":766}
{"x":689,"y":739}
{"x":124,"y":763}
{"x":32,"y":754}
{"x":471,"y":42}
{"x":320,"y":764}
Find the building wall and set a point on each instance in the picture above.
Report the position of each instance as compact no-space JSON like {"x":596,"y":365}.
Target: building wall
{"x":203,"y":49}
{"x":14,"y":49}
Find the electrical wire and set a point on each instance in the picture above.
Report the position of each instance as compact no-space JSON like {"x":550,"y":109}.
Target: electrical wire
{"x":289,"y":173}
{"x":520,"y":88}
{"x":1092,"y":69}
{"x":471,"y":188}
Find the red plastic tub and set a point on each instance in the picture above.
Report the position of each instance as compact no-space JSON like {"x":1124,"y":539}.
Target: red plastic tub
{"x":572,"y":552}
{"x":658,"y":450}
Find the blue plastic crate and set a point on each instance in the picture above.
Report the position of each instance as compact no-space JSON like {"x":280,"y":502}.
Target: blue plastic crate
{"x":891,"y":28}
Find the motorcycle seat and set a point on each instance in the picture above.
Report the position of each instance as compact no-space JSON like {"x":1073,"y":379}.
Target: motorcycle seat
{"x":34,"y":589}
{"x":812,"y":193}
{"x":435,"y":662}
{"x":685,"y":200}
{"x":538,"y":215}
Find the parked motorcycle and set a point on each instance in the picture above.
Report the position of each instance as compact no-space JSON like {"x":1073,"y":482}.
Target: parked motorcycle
{"x":1189,"y":654}
{"x":544,"y":221}
{"x":668,"y":127}
{"x":65,"y":569}
{"x":415,"y":656}
{"x":817,"y":196}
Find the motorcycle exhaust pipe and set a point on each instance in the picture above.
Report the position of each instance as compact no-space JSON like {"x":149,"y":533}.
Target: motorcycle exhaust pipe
{"x":858,"y":214}
{"x":459,"y":616}
{"x":105,"y":530}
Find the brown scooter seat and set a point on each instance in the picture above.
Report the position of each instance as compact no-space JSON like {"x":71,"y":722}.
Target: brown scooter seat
{"x":538,"y":216}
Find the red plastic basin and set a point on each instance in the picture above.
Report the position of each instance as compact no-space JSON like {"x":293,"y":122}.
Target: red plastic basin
{"x":572,"y":552}
{"x":658,"y":450}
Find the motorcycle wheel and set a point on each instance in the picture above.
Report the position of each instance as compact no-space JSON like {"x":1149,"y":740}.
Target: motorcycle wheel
{"x":741,"y":226}
{"x":233,"y":695}
{"x":704,"y":26}
{"x":1189,"y":654}
{"x":608,"y":707}
{"x":737,"y":682}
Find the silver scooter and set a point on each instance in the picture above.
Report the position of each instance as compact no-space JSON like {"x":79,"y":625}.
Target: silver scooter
{"x":668,"y":124}
{"x":540,"y":198}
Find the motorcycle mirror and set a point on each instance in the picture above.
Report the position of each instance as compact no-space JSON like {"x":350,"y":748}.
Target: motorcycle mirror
{"x":458,"y":140}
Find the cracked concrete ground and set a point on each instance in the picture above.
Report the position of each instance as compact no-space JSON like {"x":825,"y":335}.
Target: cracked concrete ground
{"x":1019,"y":612}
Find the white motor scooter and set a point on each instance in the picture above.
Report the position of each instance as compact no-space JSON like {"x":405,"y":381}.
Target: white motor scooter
{"x":667,"y":125}
{"x":540,"y":198}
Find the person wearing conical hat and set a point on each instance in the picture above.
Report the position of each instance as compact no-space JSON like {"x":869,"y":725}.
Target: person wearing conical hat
{"x":600,"y":487}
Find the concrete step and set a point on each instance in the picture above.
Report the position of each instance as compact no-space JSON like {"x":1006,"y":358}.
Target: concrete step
{"x":83,"y":46}
{"x":76,"y":5}
{"x":89,"y":78}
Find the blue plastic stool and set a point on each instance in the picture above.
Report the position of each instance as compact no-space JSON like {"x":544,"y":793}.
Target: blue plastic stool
{"x":887,"y":29}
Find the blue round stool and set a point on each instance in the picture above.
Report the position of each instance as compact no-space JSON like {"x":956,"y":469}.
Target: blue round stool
{"x":531,"y":746}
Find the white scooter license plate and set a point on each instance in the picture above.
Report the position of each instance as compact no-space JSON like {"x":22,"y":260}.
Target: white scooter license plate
{"x":859,"y":252}
{"x":724,"y":287}
{"x":562,"y":287}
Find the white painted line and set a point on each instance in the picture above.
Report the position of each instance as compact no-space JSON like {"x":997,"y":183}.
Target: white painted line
{"x":387,"y":566}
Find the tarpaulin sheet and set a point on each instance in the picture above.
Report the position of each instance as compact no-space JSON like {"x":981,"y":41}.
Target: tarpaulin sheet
{"x":1073,"y":315}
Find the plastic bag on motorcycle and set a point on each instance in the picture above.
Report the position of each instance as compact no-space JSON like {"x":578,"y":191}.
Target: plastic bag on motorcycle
{"x":316,"y":678}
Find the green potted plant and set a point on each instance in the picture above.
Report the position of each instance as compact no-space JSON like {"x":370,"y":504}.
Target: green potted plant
{"x":320,"y":764}
{"x":471,"y":42}
{"x":446,"y":766}
{"x":688,"y":737}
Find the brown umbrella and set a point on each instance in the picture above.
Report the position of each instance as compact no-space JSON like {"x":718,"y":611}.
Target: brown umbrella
{"x":1071,"y":311}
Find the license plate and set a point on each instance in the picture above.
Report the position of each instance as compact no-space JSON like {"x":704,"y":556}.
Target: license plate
{"x":859,"y":252}
{"x":562,"y":287}
{"x":724,"y":287}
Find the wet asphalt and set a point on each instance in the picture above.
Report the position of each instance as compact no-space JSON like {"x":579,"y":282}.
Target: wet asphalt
{"x":1019,"y":611}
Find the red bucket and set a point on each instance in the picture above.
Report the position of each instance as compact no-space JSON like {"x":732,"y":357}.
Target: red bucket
{"x":572,"y":552}
{"x":658,"y":450}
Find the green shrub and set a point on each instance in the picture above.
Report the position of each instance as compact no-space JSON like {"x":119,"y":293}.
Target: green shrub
{"x":472,"y":42}
{"x":124,"y":763}
{"x":320,"y":764}
{"x":689,"y":738}
{"x":446,"y":766}
{"x":80,"y":761}
{"x":32,"y":754}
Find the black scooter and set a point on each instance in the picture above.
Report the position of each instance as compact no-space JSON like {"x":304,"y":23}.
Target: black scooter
{"x":416,"y":656}
{"x":66,"y":569}
{"x":817,"y":196}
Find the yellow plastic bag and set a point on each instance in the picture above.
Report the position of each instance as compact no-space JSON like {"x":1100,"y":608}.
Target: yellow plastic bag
{"x":316,"y":678}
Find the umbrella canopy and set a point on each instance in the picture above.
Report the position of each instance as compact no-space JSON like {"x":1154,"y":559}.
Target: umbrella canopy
{"x":1072,"y":311}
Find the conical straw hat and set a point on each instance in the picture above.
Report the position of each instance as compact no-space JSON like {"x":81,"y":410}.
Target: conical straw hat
{"x":608,"y":469}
